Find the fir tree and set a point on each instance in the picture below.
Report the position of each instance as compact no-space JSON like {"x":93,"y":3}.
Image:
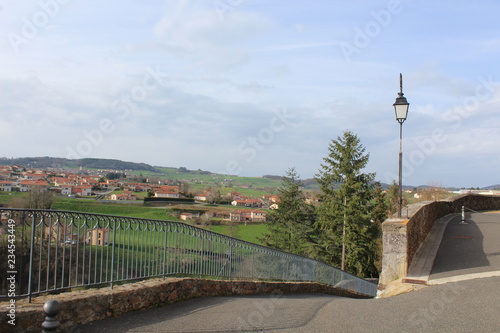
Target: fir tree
{"x":346,"y":216}
{"x":393,"y":191}
{"x":291,"y":225}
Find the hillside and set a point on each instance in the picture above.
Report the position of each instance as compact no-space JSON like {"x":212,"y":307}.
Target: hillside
{"x":201,"y":177}
{"x":89,"y":163}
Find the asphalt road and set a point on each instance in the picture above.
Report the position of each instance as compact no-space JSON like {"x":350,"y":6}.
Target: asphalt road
{"x":467,"y":306}
{"x":472,"y":305}
{"x":470,"y":248}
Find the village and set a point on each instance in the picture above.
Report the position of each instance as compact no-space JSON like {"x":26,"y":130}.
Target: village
{"x":92,"y":184}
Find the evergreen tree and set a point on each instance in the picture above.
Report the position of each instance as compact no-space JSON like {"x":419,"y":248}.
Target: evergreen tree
{"x":393,"y":191}
{"x":291,"y":225}
{"x":346,"y":215}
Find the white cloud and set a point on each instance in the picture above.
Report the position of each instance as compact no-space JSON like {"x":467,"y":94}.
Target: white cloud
{"x":196,"y":31}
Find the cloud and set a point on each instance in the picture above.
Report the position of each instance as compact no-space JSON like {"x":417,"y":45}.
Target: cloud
{"x":196,"y":31}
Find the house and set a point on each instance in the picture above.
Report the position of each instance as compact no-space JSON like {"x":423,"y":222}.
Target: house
{"x":126,"y":195}
{"x":167,"y":188}
{"x":98,"y":236}
{"x":188,"y":216}
{"x":34,"y":176}
{"x":83,"y":191}
{"x":248,"y":215}
{"x":5,"y":174}
{"x":222,"y":214}
{"x":66,"y":190}
{"x":271,"y":198}
{"x":112,"y":183}
{"x":137,"y":187}
{"x":257,"y":215}
{"x":5,"y":186}
{"x":63,"y":181}
{"x":30,"y":185}
{"x":166,"y":194}
{"x":204,"y":197}
{"x":247,"y":203}
{"x":92,"y":183}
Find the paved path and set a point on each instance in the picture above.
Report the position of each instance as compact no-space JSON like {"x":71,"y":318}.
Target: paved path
{"x":457,"y":252}
{"x":466,"y":306}
{"x":468,"y":250}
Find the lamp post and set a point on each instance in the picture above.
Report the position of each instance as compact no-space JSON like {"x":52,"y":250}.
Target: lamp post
{"x":401,"y":108}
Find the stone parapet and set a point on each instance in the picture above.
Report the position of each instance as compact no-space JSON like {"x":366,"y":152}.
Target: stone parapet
{"x":84,"y":306}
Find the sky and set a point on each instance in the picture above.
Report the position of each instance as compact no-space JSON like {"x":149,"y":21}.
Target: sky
{"x":255,"y":87}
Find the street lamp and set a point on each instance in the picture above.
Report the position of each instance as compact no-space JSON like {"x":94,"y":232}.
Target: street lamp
{"x":401,"y":108}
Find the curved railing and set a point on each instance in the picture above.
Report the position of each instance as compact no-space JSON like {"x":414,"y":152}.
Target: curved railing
{"x":47,"y":250}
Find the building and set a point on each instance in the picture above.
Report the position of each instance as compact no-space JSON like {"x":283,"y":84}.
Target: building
{"x":247,"y":203}
{"x":31,"y":185}
{"x":248,"y":215}
{"x":5,"y":186}
{"x":166,"y":194}
{"x":83,"y":191}
{"x":126,"y":195}
{"x":98,"y":236}
{"x":188,"y":216}
{"x":204,"y":197}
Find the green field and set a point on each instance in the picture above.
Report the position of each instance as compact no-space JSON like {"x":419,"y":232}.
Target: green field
{"x":6,"y":197}
{"x":205,"y":180}
{"x":249,"y":232}
{"x":131,"y":210}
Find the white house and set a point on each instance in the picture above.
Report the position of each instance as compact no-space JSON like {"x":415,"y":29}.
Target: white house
{"x":166,"y":194}
{"x":5,"y":186}
{"x":30,"y":185}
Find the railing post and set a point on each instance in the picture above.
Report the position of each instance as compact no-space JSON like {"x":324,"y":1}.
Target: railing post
{"x":201,"y":254}
{"x":113,"y":253}
{"x":230,"y":260}
{"x":32,"y":254}
{"x":165,"y":250}
{"x":51,"y":308}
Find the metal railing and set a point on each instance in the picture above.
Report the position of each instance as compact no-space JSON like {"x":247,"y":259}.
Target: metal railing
{"x":46,"y":250}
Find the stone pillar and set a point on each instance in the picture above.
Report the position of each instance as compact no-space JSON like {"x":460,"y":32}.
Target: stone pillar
{"x":395,"y":248}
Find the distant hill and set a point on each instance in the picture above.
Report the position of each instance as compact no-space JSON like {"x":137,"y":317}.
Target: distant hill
{"x":112,"y":164}
{"x":90,"y":163}
{"x":492,"y":187}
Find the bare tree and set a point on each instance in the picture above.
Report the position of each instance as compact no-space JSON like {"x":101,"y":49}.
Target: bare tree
{"x":35,"y":199}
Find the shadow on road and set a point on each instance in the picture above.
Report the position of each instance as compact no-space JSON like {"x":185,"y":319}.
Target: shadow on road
{"x":465,"y":248}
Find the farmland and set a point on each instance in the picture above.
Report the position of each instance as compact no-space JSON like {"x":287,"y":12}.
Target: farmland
{"x":249,"y":232}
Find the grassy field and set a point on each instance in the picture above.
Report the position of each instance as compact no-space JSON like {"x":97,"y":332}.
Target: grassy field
{"x":131,"y":210}
{"x":249,"y":232}
{"x":6,"y":197}
{"x":209,"y":179}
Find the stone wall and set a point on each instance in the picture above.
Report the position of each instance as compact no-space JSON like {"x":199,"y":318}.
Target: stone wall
{"x":85,"y":306}
{"x":402,"y":237}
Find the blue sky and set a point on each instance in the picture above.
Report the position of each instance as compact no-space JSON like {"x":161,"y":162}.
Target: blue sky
{"x":254,"y":87}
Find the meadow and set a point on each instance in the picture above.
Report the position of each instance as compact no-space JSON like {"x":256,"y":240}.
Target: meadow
{"x":249,"y":232}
